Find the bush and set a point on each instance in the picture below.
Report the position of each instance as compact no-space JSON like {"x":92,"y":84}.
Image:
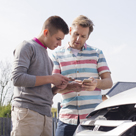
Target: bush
{"x":5,"y":111}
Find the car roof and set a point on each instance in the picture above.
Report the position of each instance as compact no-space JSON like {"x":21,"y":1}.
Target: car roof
{"x":120,"y":87}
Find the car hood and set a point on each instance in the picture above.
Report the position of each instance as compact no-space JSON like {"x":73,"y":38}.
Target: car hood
{"x":124,"y":98}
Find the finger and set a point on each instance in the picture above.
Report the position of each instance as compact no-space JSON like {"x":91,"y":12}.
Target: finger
{"x":88,"y":88}
{"x":66,"y":78}
{"x":87,"y":84}
{"x":91,"y":78}
{"x":78,"y":81}
{"x":83,"y":88}
{"x":74,"y":82}
{"x":65,"y":82}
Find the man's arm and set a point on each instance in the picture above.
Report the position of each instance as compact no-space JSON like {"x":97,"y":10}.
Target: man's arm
{"x":105,"y":82}
{"x":56,"y":79}
{"x":103,"y":70}
{"x":21,"y":65}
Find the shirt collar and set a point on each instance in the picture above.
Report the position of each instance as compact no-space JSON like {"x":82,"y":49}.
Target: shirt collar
{"x":84,"y":47}
{"x":35,"y":39}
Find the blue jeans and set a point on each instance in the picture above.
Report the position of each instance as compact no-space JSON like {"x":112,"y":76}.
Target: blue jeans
{"x":64,"y":129}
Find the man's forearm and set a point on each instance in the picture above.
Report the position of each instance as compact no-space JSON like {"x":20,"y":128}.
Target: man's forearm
{"x":41,"y":80}
{"x":104,"y":83}
{"x":24,"y":80}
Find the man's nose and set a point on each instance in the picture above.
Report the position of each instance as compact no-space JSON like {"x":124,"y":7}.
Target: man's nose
{"x":78,"y":38}
{"x":59,"y":43}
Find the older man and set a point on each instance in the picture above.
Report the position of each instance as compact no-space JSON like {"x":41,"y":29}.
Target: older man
{"x":87,"y":65}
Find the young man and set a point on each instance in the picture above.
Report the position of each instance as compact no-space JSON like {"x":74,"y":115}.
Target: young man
{"x":80,"y":61}
{"x":32,"y":78}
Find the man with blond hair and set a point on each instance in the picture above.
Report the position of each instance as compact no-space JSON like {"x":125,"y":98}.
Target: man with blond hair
{"x":32,"y":78}
{"x":87,"y":65}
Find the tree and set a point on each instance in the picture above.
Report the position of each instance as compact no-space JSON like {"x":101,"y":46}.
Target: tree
{"x":6,"y":87}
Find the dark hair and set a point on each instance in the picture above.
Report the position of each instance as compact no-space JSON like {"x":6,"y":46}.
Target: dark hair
{"x":55,"y":23}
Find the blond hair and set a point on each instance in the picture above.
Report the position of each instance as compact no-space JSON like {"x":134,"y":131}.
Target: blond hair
{"x":84,"y":22}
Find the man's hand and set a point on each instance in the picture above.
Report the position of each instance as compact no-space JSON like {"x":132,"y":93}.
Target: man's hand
{"x":59,"y":80}
{"x":62,"y":86}
{"x":57,"y":89}
{"x":72,"y":86}
{"x":89,"y":85}
{"x":75,"y":86}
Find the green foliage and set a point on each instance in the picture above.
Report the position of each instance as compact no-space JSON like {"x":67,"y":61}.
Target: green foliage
{"x":5,"y":111}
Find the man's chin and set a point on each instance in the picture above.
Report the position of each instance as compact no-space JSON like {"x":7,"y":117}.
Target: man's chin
{"x":51,"y":48}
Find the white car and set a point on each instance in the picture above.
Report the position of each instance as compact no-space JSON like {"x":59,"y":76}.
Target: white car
{"x":115,"y":116}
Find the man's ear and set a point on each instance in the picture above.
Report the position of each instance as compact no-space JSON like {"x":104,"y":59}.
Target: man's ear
{"x":87,"y":37}
{"x":70,"y":30}
{"x":45,"y":32}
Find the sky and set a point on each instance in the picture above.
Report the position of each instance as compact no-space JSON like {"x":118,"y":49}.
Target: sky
{"x":114,"y":29}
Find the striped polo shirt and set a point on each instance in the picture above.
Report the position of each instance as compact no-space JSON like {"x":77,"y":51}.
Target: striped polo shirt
{"x":89,"y":62}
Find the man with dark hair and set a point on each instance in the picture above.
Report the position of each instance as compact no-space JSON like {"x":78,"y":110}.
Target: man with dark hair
{"x":87,"y":65}
{"x":32,"y":78}
{"x":54,"y":24}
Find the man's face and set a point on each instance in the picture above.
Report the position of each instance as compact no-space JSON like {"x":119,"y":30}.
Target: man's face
{"x":79,"y":35}
{"x":53,"y":41}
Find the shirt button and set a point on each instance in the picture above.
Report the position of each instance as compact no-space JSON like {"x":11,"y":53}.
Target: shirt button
{"x":77,"y":71}
{"x":78,"y":94}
